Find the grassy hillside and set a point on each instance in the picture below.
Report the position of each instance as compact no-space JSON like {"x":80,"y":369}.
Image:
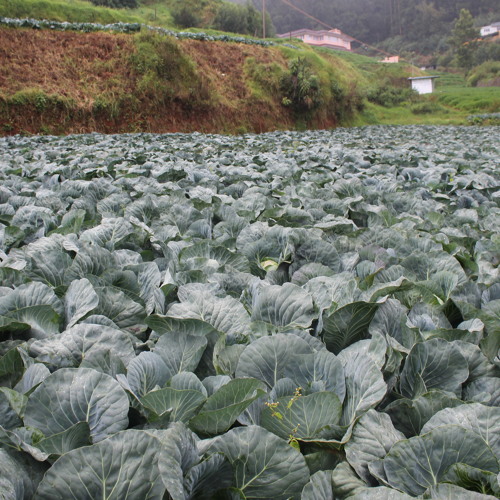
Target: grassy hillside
{"x":451,"y":104}
{"x":64,"y":82}
{"x":153,"y":12}
{"x":77,"y":11}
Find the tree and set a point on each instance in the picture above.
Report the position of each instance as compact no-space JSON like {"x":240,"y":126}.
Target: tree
{"x":463,"y":40}
{"x":231,"y":17}
{"x":184,"y":16}
{"x":244,"y":19}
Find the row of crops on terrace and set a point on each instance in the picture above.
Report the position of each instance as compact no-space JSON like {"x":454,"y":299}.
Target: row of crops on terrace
{"x":292,"y":315}
{"x":133,"y":28}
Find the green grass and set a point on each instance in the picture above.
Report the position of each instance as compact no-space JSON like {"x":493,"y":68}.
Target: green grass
{"x":447,"y":80}
{"x":156,"y":13}
{"x":76,"y":11}
{"x":447,"y":106}
{"x":401,"y":115}
{"x":470,"y":99}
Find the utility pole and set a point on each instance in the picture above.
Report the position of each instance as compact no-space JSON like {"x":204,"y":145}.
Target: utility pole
{"x":263,"y":18}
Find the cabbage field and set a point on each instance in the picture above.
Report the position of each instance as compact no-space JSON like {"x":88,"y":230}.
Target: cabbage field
{"x":305,"y":315}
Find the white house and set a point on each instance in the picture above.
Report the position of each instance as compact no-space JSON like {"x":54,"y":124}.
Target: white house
{"x":491,"y":29}
{"x":423,"y":84}
{"x":332,"y":39}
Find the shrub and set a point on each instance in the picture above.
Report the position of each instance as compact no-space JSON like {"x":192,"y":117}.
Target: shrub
{"x":485,"y":73}
{"x":386,"y":95}
{"x":300,"y":87}
{"x":244,"y":19}
{"x":184,"y":17}
{"x":427,"y":108}
{"x":488,"y":51}
{"x":231,"y":17}
{"x":165,"y":72}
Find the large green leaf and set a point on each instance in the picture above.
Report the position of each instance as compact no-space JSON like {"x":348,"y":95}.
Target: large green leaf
{"x":74,"y":437}
{"x":34,"y":375}
{"x":309,"y":272}
{"x":337,"y":291}
{"x":372,"y":437}
{"x":426,"y":265}
{"x":435,"y":364}
{"x":345,"y":481}
{"x":222,"y":408}
{"x":122,"y":310}
{"x":183,"y":473}
{"x":410,"y":415}
{"x":446,"y":491}
{"x":32,"y":307}
{"x":365,"y":385}
{"x":483,"y":420}
{"x":180,"y":351}
{"x":319,"y":487}
{"x":123,"y":467}
{"x":23,"y":439}
{"x":206,"y":478}
{"x":284,"y":305}
{"x":303,"y":417}
{"x":438,"y":289}
{"x":319,"y":251}
{"x":109,"y":233}
{"x":268,"y":358}
{"x":264,"y":465}
{"x":485,"y":390}
{"x":149,"y":280}
{"x":48,"y":261}
{"x":20,"y":475}
{"x":70,"y":396}
{"x":203,"y":254}
{"x":91,"y":261}
{"x":82,"y":342}
{"x":167,"y":324}
{"x":145,"y":372}
{"x":432,"y":455}
{"x":225,"y":315}
{"x":320,"y":371}
{"x":180,"y":401}
{"x":380,"y":493}
{"x":80,"y":299}
{"x":490,"y":315}
{"x":390,"y":320}
{"x":347,"y":325}
{"x":180,"y":454}
{"x":11,"y":367}
{"x":11,"y":408}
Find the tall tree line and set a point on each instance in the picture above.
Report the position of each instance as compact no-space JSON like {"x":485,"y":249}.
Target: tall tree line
{"x":376,"y":20}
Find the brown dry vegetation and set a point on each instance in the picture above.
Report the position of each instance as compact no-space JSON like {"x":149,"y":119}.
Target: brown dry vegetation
{"x":67,"y":82}
{"x":74,"y":65}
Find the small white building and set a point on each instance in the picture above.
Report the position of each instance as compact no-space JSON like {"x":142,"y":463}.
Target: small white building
{"x":423,"y":84}
{"x":491,"y":29}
